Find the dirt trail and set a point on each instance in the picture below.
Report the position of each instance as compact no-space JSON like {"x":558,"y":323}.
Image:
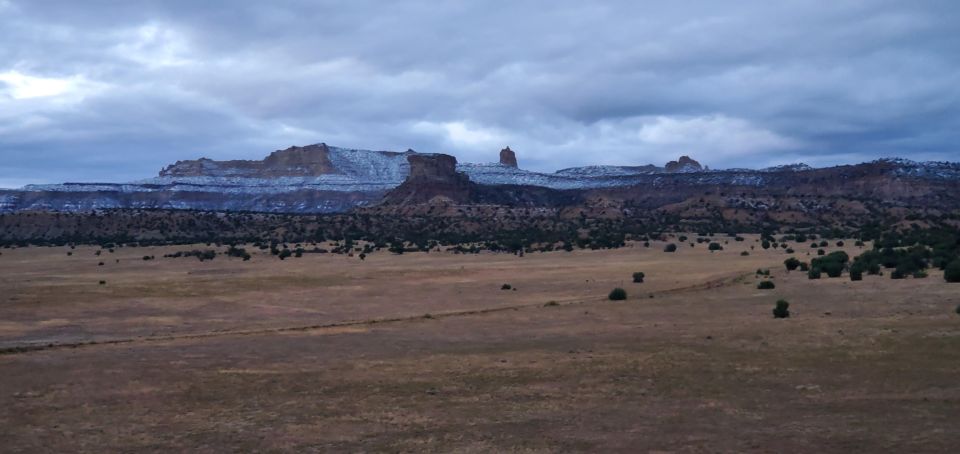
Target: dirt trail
{"x":26,"y":348}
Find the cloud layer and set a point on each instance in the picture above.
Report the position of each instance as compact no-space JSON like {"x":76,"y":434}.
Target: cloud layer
{"x":112,"y":91}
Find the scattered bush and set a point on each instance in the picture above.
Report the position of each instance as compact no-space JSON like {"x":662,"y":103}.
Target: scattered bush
{"x":791,"y":263}
{"x":618,"y":294}
{"x":952,"y":272}
{"x":237,"y":252}
{"x":505,"y":287}
{"x":103,"y":282}
{"x":715,"y":247}
{"x":208,"y":254}
{"x":804,"y":266}
{"x":744,"y":254}
{"x":670,"y":248}
{"x":832,"y":264}
{"x":856,"y":274}
{"x":638,"y":277}
{"x":814,"y":273}
{"x":766,"y":285}
{"x":782,"y":309}
{"x":833,"y":269}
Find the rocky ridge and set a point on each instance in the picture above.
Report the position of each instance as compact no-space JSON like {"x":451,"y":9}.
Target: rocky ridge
{"x":326,"y":179}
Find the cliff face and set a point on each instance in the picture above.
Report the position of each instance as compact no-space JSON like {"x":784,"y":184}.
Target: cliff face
{"x":508,"y":158}
{"x":683,"y":165}
{"x":311,"y":160}
{"x":433,"y":177}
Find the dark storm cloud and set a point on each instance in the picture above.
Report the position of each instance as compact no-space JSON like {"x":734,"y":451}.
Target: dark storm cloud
{"x":106,"y":90}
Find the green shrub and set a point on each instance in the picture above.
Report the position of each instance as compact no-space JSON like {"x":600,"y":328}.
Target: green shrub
{"x":833,"y":263}
{"x":766,"y":285}
{"x":814,"y":273}
{"x":618,"y":294}
{"x":638,"y":277}
{"x":919,"y":274}
{"x":952,"y":272}
{"x":804,"y":266}
{"x":744,"y":254}
{"x":791,"y":263}
{"x":670,"y":248}
{"x":505,"y":287}
{"x":782,"y":309}
{"x":856,"y":274}
{"x":833,"y":269}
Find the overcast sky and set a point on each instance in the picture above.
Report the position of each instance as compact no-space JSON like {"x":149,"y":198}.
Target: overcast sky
{"x":99,"y":90}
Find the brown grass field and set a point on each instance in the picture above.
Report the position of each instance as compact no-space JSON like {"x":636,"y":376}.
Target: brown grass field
{"x":425,"y":352}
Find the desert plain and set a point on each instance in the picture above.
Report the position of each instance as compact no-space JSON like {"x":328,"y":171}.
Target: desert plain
{"x":427,"y":352}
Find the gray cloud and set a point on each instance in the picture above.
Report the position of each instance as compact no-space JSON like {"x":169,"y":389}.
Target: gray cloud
{"x":112,"y":91}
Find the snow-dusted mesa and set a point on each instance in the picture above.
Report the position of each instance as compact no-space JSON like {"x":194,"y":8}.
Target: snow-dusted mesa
{"x":322,"y":179}
{"x":798,"y":167}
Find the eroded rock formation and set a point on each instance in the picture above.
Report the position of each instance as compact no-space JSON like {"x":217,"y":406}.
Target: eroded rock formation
{"x":508,"y":158}
{"x":684,"y":165}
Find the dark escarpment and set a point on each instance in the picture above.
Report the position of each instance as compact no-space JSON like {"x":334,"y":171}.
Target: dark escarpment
{"x":433,"y":177}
